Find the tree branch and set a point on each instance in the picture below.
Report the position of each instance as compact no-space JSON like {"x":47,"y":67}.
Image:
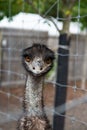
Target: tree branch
{"x":68,"y":4}
{"x":72,"y":3}
{"x":52,"y":20}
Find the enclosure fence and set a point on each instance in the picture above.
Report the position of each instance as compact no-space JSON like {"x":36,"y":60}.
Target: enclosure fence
{"x":75,"y":117}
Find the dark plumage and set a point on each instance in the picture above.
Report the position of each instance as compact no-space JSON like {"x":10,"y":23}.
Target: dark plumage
{"x":33,"y":123}
{"x":38,"y":50}
{"x":37,"y":61}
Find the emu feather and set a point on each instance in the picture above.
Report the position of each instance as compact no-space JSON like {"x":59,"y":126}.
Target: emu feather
{"x":37,"y":61}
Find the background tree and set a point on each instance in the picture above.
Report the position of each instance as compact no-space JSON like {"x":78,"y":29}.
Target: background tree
{"x":10,"y":8}
{"x":65,"y":10}
{"x":61,"y":10}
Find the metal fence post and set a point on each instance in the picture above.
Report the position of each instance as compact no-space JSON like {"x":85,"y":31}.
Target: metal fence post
{"x":61,"y":81}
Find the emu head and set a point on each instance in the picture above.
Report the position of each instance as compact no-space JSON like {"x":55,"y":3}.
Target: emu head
{"x":37,"y":59}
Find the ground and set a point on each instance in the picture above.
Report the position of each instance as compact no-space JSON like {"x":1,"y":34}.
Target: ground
{"x":76,"y":114}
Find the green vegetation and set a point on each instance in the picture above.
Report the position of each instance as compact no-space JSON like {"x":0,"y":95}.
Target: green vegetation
{"x":62,"y":8}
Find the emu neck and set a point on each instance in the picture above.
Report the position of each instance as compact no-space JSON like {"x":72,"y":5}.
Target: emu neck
{"x":33,"y":95}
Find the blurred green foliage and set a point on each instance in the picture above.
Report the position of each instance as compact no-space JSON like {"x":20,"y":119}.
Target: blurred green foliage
{"x":60,"y":8}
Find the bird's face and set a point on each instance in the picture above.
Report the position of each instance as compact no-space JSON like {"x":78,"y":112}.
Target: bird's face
{"x":38,"y":59}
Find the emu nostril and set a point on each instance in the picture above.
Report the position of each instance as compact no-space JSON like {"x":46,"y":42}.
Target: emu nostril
{"x":33,"y":68}
{"x":41,"y":68}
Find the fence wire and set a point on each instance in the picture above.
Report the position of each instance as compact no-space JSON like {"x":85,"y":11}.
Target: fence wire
{"x":76,"y":104}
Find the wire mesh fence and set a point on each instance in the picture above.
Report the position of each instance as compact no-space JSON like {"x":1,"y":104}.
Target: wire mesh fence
{"x":13,"y":77}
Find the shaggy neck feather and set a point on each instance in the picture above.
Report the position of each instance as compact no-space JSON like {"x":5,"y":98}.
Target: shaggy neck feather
{"x":33,"y":95}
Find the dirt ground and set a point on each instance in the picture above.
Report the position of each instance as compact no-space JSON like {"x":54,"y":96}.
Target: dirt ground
{"x":76,"y":113}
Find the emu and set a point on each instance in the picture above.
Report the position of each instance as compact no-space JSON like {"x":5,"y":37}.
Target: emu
{"x":37,"y":61}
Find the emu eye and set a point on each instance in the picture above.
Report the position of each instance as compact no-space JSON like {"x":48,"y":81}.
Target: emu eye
{"x":48,"y":61}
{"x":27,"y":58}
